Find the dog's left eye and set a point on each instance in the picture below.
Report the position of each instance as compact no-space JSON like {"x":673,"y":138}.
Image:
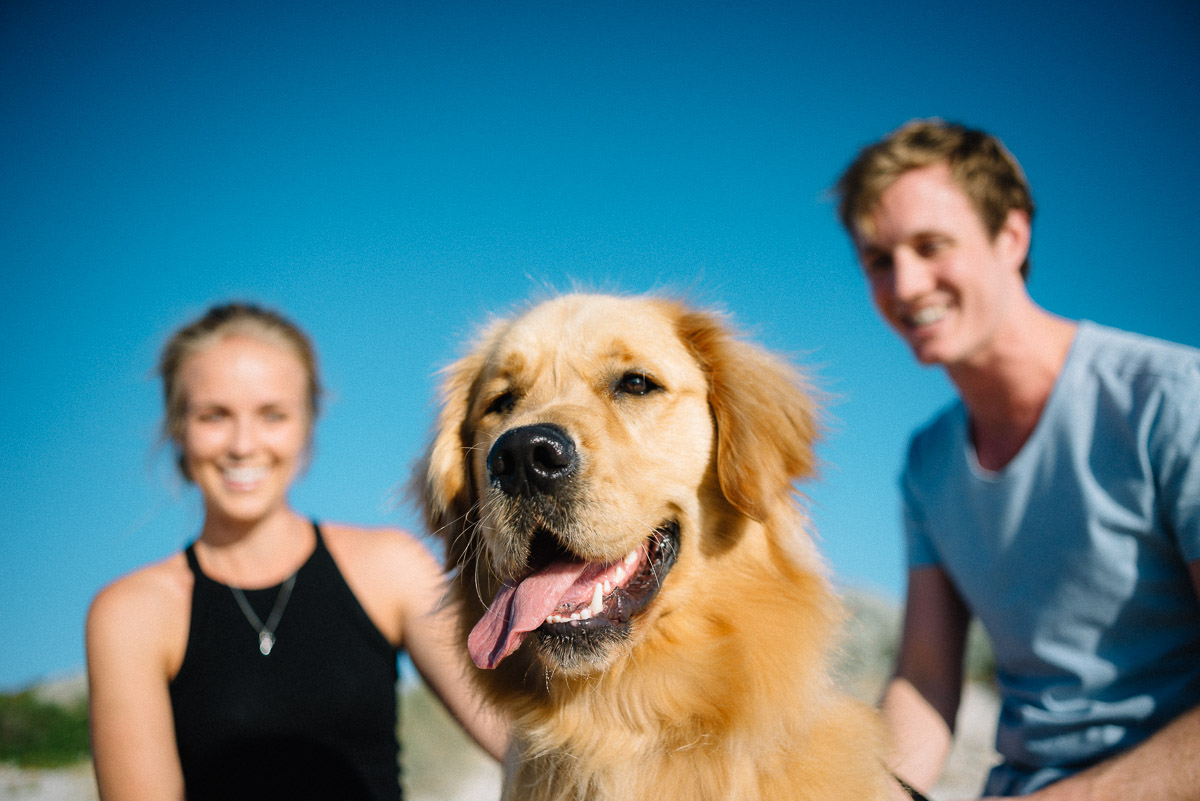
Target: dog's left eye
{"x":637,"y":384}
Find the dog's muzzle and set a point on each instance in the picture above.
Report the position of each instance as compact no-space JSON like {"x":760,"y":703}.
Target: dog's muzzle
{"x":578,"y":605}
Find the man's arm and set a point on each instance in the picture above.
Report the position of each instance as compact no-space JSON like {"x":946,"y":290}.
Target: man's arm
{"x":1166,"y":767}
{"x":921,"y":701}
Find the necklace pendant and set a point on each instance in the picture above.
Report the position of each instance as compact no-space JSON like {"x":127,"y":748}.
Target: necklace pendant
{"x":266,"y":633}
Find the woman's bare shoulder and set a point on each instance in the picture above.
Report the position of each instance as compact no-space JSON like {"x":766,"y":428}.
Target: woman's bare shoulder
{"x":168,"y":581}
{"x":389,"y":548}
{"x":145,"y":611}
{"x":392,"y":573}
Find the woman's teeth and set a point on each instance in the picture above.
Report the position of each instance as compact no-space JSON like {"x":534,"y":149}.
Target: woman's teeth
{"x":243,"y":475}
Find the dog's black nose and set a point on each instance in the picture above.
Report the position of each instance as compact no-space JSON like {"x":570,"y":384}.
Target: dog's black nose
{"x":531,"y":459}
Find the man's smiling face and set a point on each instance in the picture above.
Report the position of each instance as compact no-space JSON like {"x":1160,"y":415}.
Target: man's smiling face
{"x":936,"y":275}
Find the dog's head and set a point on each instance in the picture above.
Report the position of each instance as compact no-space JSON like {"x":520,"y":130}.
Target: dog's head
{"x":591,"y":450}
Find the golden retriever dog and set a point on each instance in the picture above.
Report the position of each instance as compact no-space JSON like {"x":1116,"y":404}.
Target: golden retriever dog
{"x":612,"y":477}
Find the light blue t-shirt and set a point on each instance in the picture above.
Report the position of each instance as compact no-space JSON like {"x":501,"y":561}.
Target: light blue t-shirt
{"x":1074,"y":556}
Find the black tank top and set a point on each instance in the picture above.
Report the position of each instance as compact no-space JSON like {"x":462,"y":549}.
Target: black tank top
{"x":315,"y":719}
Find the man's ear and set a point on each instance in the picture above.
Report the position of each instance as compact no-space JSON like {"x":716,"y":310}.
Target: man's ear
{"x":1014,"y":237}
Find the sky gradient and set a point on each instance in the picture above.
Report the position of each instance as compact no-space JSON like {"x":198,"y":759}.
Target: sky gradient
{"x":391,"y":174}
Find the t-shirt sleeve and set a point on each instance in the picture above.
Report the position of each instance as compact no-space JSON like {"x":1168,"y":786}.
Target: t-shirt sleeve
{"x":1175,"y":448}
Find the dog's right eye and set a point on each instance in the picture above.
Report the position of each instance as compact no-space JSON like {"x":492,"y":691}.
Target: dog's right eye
{"x":637,"y":384}
{"x":501,"y":404}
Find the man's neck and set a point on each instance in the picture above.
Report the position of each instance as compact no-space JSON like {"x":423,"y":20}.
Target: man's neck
{"x":1006,"y":388}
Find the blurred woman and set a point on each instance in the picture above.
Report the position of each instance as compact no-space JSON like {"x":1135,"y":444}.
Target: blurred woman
{"x":261,"y":662}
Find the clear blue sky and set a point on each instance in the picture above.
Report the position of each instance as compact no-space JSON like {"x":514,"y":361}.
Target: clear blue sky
{"x":391,"y":173}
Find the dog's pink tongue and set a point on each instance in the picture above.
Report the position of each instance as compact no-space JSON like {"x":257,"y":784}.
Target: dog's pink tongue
{"x":519,"y":609}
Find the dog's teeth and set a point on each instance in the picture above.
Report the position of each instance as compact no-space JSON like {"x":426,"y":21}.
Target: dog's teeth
{"x":620,"y":574}
{"x":599,"y":590}
{"x":631,"y":558}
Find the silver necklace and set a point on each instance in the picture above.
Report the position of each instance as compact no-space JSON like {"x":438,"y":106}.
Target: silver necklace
{"x":266,"y":633}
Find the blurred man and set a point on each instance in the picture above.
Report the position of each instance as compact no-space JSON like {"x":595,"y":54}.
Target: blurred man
{"x":1058,"y":500}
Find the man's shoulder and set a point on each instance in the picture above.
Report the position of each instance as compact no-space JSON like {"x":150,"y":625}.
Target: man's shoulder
{"x":1129,"y":355}
{"x":1140,"y":385}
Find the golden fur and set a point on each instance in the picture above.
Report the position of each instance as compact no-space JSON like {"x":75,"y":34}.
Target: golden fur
{"x":718,"y":688}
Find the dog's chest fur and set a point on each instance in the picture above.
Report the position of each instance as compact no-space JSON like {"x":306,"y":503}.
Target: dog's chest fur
{"x":782,"y":763}
{"x":702,"y":712}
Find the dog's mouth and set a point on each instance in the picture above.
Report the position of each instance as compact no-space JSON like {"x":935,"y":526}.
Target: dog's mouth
{"x":572,"y":602}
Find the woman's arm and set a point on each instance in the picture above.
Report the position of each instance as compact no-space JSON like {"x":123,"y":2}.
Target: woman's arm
{"x":403,"y":590}
{"x":128,"y":659}
{"x":429,"y":637}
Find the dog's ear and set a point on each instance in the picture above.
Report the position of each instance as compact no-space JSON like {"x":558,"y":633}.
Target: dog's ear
{"x":441,"y":481}
{"x":764,"y":411}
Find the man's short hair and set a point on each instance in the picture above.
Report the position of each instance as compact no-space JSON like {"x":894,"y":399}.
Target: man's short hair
{"x":979,"y":163}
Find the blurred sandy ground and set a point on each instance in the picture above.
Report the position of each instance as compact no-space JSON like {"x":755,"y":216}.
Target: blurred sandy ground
{"x":64,"y":784}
